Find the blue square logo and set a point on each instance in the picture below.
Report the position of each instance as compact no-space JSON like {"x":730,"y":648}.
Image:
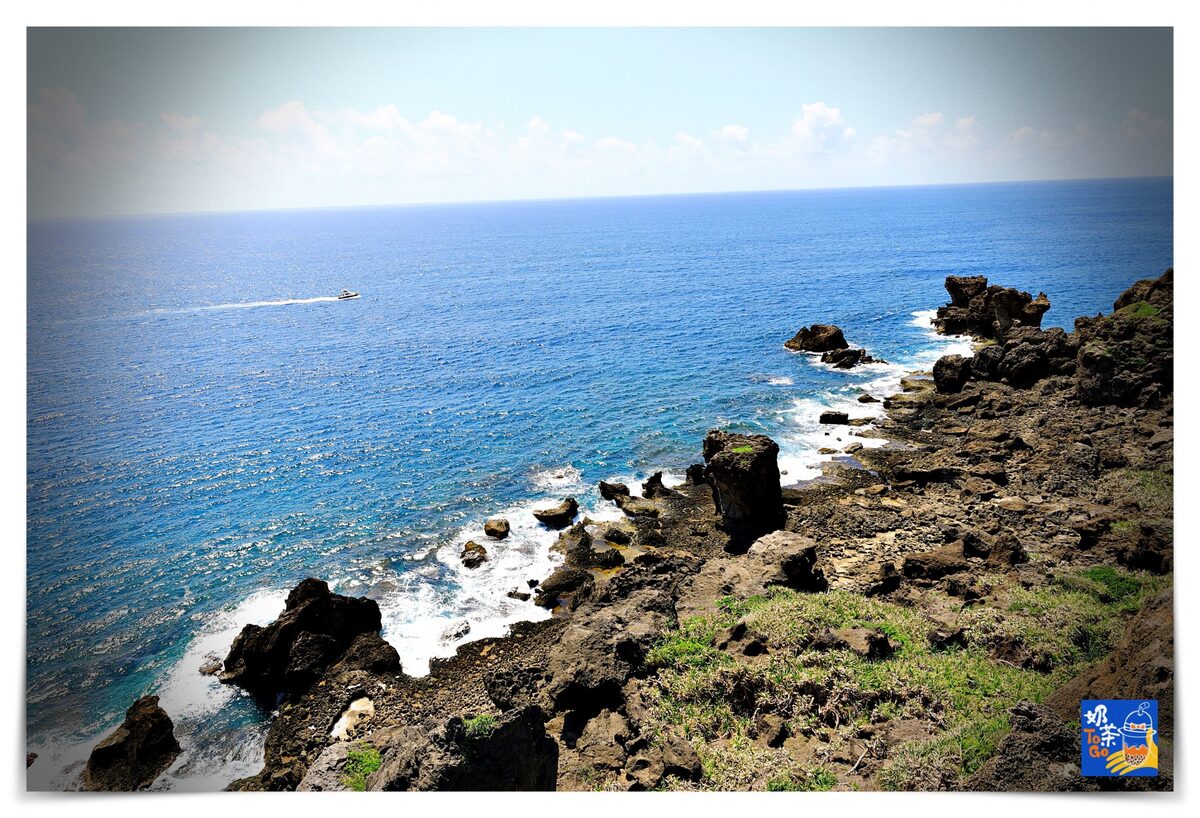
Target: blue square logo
{"x":1119,"y":737}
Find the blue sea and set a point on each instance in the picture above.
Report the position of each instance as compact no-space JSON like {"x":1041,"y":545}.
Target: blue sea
{"x":207,"y":425}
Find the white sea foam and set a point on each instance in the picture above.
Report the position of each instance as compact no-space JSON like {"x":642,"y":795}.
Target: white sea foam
{"x":803,"y":435}
{"x":417,"y":612}
{"x":557,"y":479}
{"x":191,"y":699}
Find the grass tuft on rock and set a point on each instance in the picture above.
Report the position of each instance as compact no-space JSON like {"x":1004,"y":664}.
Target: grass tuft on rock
{"x":480,"y":725}
{"x":361,"y":761}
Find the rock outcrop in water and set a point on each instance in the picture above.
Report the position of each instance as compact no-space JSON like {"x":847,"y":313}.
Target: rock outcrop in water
{"x":744,"y":474}
{"x":136,"y":753}
{"x":559,"y":516}
{"x":817,"y":338}
{"x":473,"y":554}
{"x":496,"y":527}
{"x":315,"y":629}
{"x":829,"y":340}
{"x":848,"y":358}
{"x":987,"y":313}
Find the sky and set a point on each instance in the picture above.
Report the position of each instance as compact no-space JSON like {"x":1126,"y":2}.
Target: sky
{"x":130,"y":121}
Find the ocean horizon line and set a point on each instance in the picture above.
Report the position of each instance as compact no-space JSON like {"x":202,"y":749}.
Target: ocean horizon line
{"x":94,"y":218}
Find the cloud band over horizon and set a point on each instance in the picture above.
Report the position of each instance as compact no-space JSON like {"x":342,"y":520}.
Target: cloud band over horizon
{"x":293,"y":153}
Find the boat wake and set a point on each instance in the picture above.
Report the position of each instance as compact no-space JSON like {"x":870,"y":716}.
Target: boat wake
{"x":241,"y":305}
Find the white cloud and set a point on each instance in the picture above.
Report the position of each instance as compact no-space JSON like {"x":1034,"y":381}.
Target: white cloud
{"x":293,"y":155}
{"x":929,"y":121}
{"x":1140,"y":125}
{"x":821,"y":127}
{"x":734,"y":135}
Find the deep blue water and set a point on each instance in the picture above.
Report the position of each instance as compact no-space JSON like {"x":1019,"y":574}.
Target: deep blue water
{"x":193,"y":455}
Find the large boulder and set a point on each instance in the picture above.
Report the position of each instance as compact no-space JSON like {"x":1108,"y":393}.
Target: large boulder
{"x":817,"y":338}
{"x":313,"y":631}
{"x":136,"y":753}
{"x":565,"y":582}
{"x":744,"y":474}
{"x":951,"y":373}
{"x":473,"y":554}
{"x":610,"y":491}
{"x":654,"y":488}
{"x":509,"y":752}
{"x":496,"y":527}
{"x":559,"y":516}
{"x":935,"y":564}
{"x":605,"y":644}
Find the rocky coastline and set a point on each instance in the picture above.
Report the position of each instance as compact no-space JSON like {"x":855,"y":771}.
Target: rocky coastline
{"x":927,"y":618}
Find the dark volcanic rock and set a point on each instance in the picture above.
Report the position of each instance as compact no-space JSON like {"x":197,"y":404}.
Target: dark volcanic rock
{"x":848,"y":358}
{"x":935,"y":564}
{"x":496,"y":527}
{"x":610,"y":491}
{"x":559,"y":516}
{"x":781,"y":558}
{"x":287,"y":655}
{"x":562,"y":582}
{"x":987,"y":312}
{"x":473,"y":554}
{"x":985,"y":366}
{"x":951,"y":373}
{"x":654,"y":488}
{"x":744,"y":474}
{"x":618,"y":535}
{"x":134,"y":754}
{"x":1024,"y":363}
{"x":817,"y":338}
{"x":1040,"y":754}
{"x":605,"y":644}
{"x":964,"y":288}
{"x":833,"y":418}
{"x":1126,"y":358}
{"x":515,"y":754}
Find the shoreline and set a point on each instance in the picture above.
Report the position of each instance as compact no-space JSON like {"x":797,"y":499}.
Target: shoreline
{"x":686,"y":539}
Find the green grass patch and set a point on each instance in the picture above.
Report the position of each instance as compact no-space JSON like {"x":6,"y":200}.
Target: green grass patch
{"x":1151,"y":490}
{"x":1125,"y":526}
{"x":1140,"y":309}
{"x":692,"y":645}
{"x":361,"y":761}
{"x":714,"y":698}
{"x":818,"y":780}
{"x":480,"y":725}
{"x":947,"y":760}
{"x":742,"y":449}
